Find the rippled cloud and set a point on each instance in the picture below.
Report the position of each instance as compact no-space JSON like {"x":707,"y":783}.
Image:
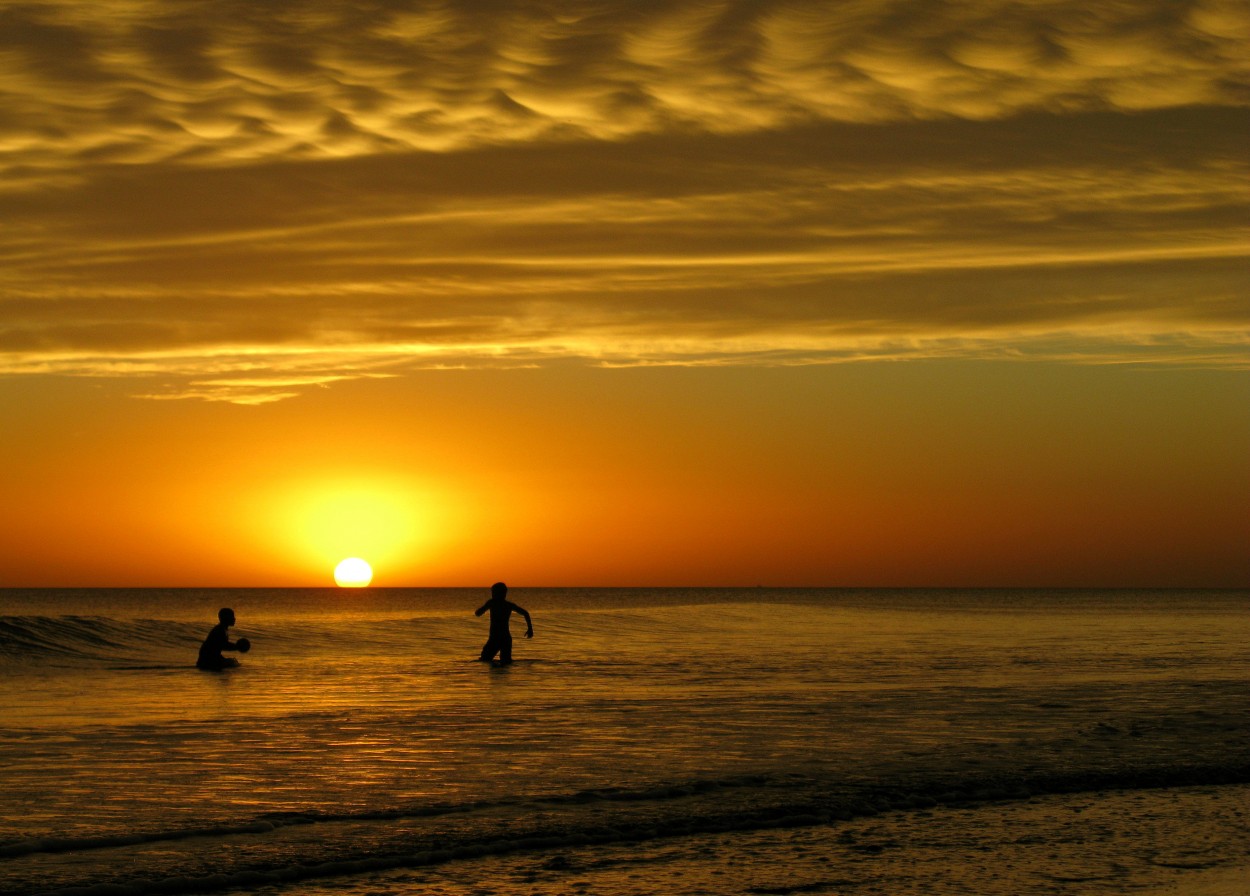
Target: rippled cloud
{"x":246,"y":200}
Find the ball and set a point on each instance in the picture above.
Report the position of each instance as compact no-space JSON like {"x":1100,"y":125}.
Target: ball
{"x":244,"y":645}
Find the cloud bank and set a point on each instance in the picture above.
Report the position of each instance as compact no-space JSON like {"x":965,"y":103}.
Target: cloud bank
{"x":244,"y":200}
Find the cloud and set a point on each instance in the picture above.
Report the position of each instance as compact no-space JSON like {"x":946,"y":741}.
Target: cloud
{"x":249,"y":81}
{"x":228,"y":194}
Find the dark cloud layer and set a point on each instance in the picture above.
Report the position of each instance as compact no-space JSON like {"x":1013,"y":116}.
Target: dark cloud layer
{"x":313,"y":191}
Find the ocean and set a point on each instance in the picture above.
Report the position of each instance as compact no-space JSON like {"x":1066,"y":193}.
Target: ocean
{"x":678,"y":741}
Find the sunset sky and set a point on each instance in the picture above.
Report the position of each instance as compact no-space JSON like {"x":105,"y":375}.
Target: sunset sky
{"x":625,"y":293}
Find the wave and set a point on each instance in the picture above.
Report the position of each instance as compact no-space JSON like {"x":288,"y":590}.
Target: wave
{"x":154,"y":643}
{"x":579,"y":819}
{"x":128,"y":644}
{"x":69,"y":638}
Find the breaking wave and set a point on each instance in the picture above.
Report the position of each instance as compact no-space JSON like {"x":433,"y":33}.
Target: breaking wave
{"x":91,"y":638}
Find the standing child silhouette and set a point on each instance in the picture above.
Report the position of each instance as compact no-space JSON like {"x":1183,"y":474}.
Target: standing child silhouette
{"x":501,"y":609}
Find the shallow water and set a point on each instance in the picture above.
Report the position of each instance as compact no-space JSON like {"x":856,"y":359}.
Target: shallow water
{"x":359,"y":734}
{"x":1162,"y":842}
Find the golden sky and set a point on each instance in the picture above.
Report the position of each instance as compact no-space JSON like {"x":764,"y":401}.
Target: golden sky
{"x":856,"y":293}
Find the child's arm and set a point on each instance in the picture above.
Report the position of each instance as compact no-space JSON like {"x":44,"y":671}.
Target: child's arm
{"x":482,"y":609}
{"x":220,"y":640}
{"x":529,"y":625}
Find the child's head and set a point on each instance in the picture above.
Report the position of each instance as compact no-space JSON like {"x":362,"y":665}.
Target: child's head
{"x":498,"y":591}
{"x":226,"y":616}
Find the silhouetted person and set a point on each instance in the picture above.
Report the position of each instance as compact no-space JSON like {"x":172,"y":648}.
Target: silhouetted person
{"x":217,"y":641}
{"x":501,"y":609}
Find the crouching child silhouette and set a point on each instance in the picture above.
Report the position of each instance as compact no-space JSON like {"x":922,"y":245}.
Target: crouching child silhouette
{"x":218,"y":639}
{"x":501,"y":609}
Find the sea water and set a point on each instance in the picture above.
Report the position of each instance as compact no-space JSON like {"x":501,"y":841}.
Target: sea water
{"x":647,"y":740}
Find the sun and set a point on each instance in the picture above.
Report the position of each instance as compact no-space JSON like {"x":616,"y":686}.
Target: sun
{"x":353,"y":573}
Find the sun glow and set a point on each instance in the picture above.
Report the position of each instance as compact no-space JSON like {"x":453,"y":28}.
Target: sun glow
{"x":353,"y":573}
{"x":324,"y":521}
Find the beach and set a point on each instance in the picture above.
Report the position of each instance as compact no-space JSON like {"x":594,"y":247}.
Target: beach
{"x":646,"y":740}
